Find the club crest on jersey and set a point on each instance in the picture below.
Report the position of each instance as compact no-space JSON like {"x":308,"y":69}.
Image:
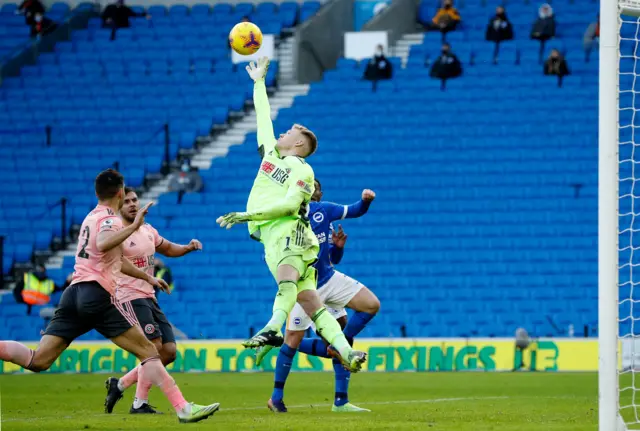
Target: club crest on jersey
{"x":149,"y":328}
{"x":318,"y":217}
{"x":297,"y":321}
{"x":267,"y":167}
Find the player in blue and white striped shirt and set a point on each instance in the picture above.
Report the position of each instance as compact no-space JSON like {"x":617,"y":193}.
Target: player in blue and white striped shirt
{"x":336,"y":291}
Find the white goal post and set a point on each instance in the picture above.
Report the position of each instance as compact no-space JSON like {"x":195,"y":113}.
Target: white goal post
{"x":609,"y":417}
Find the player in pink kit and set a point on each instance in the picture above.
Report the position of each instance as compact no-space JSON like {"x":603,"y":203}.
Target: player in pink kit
{"x":139,"y":296}
{"x":89,"y":302}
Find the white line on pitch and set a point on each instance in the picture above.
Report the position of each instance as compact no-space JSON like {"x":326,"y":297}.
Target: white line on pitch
{"x":299,"y":406}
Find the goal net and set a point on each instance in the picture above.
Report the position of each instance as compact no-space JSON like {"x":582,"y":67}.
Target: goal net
{"x":629,"y":220}
{"x":619,"y":216}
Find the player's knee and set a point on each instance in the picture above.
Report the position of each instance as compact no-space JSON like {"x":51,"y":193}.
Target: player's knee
{"x":40,"y":364}
{"x":293,"y":338}
{"x":309,"y":301}
{"x":148,"y":350}
{"x":168,"y":353}
{"x":373,"y":305}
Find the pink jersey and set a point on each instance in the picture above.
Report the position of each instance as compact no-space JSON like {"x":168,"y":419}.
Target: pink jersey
{"x":140,"y":249}
{"x":91,"y":264}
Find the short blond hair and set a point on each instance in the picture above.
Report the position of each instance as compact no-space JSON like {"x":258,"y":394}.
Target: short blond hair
{"x":311,"y":137}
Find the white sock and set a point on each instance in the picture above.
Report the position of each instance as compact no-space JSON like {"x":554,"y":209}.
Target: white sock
{"x":139,"y":403}
{"x":186,"y":410}
{"x":121,"y":387}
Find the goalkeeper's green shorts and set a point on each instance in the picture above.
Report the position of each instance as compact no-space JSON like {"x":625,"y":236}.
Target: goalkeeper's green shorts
{"x":291,"y":242}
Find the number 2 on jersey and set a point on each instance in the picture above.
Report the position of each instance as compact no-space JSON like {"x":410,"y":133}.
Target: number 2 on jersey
{"x":85,"y":235}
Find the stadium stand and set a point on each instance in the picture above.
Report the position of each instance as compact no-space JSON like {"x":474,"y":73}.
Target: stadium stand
{"x":486,"y":211}
{"x":486,"y":215}
{"x":106,"y":101}
{"x":14,"y":33}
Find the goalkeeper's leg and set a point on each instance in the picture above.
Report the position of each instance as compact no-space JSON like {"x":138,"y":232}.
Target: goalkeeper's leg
{"x":287,"y":277}
{"x":326,"y":325}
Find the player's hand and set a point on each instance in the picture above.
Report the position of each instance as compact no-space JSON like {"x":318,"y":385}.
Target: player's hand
{"x":368,"y":195}
{"x":139,"y":220}
{"x":194,"y":245}
{"x":338,"y":237}
{"x":228,"y":220}
{"x":160,"y":284}
{"x":260,"y":71}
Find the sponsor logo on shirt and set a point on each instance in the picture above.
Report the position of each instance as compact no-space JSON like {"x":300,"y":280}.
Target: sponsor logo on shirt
{"x":322,"y":237}
{"x":277,"y":174}
{"x":143,"y":261}
{"x":304,"y":186}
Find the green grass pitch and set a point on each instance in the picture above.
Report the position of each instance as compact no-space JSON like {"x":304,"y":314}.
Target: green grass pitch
{"x":400,"y":401}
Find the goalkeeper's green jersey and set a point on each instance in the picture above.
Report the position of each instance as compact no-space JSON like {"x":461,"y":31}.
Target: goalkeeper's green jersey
{"x":285,"y":179}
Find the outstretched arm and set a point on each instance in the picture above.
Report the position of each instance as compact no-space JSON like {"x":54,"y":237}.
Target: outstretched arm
{"x":355,"y":210}
{"x":299,"y":192}
{"x":266,"y":137}
{"x":290,"y":205}
{"x":171,"y":249}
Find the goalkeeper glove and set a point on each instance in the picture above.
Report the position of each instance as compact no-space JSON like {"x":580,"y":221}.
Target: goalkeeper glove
{"x":228,"y":220}
{"x":260,"y":71}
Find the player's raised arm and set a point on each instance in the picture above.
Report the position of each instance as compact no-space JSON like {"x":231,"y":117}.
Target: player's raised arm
{"x":266,"y":136}
{"x":300,"y":189}
{"x":171,"y":249}
{"x":109,"y":234}
{"x":361,"y":207}
{"x":355,"y":210}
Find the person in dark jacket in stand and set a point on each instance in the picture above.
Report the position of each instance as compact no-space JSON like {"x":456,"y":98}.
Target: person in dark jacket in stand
{"x":42,"y":25}
{"x":544,"y":27}
{"x":116,"y":16}
{"x":499,"y":29}
{"x":378,"y":67}
{"x":446,"y":66}
{"x":556,"y":65}
{"x":29,"y":8}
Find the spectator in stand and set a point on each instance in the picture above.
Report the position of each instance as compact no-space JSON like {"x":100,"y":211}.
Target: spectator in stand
{"x":117,"y":15}
{"x":378,"y":68}
{"x":591,"y":38}
{"x":446,"y":66}
{"x":556,"y":65}
{"x":35,"y":288}
{"x":499,"y":29}
{"x":544,"y":28}
{"x":42,"y":25}
{"x":163,"y":272}
{"x":446,"y":19}
{"x":188,"y":180}
{"x":29,"y":8}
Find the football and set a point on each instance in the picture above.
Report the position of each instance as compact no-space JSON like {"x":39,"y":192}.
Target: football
{"x":245,"y":38}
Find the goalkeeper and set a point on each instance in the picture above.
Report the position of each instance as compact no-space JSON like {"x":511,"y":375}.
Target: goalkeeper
{"x":277,"y":215}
